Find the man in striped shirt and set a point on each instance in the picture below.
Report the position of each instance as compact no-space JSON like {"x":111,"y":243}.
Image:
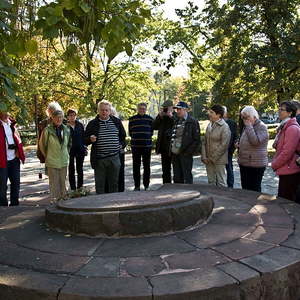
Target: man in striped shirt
{"x":107,"y":136}
{"x":140,"y":130}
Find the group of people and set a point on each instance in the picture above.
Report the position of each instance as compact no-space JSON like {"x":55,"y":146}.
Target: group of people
{"x":62,"y":145}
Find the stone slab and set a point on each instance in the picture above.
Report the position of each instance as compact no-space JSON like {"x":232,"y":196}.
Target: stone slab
{"x":195,"y":285}
{"x":101,"y":288}
{"x":17,"y":284}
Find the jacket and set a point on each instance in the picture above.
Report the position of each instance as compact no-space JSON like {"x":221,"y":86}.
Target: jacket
{"x":253,"y":146}
{"x":164,"y":126}
{"x":216,"y":142}
{"x":93,"y":128}
{"x":78,"y":143}
{"x":234,"y":135}
{"x":17,"y":139}
{"x":191,"y":142}
{"x":284,"y":161}
{"x":56,"y":154}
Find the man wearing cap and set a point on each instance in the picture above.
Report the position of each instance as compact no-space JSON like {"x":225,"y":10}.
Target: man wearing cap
{"x":11,"y":153}
{"x":185,"y":143}
{"x":164,"y":123}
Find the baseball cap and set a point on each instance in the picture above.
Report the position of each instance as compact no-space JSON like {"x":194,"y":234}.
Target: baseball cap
{"x":181,"y":104}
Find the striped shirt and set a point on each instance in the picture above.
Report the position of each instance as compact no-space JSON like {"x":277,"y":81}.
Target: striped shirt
{"x":140,"y":130}
{"x":108,"y":139}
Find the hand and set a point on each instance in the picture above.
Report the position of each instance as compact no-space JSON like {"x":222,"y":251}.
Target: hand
{"x":93,"y":138}
{"x":205,"y":161}
{"x":249,"y":121}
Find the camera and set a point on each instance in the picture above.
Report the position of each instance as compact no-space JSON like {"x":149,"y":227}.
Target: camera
{"x":12,"y":146}
{"x":165,"y":109}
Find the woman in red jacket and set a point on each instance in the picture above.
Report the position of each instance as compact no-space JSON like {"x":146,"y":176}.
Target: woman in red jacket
{"x":287,"y":144}
{"x":11,"y":153}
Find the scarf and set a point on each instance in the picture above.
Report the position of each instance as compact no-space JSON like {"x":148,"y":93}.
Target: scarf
{"x":278,"y":130}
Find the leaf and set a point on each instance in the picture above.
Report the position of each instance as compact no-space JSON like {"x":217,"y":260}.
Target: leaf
{"x":5,"y":4}
{"x":84,"y":6}
{"x":3,"y":106}
{"x":128,"y":49}
{"x":145,"y":12}
{"x":50,"y":32}
{"x":112,"y":50}
{"x":68,"y":4}
{"x":52,"y":20}
{"x":138,"y":20}
{"x":89,"y":62}
{"x":31,"y":46}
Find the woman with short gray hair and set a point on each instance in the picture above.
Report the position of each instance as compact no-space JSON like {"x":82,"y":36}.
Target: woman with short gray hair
{"x":252,"y":149}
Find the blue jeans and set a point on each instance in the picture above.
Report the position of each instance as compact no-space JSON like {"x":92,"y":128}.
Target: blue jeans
{"x":11,"y":172}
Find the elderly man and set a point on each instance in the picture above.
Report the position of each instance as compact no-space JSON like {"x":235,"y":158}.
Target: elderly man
{"x":185,"y":143}
{"x":107,"y":136}
{"x":11,"y":153}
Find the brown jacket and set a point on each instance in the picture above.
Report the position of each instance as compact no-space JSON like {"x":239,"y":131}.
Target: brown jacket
{"x":216,"y":141}
{"x":253,"y":146}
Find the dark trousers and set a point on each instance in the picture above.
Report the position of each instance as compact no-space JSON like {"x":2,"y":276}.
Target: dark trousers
{"x":229,"y":170}
{"x":121,"y":183}
{"x":79,"y":169}
{"x":251,"y":178}
{"x":11,"y":172}
{"x":166,"y":161}
{"x":289,"y":187}
{"x":182,"y":168}
{"x":138,"y":155}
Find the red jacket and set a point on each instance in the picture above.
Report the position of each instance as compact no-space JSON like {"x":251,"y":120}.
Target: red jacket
{"x":284,"y":161}
{"x":19,"y":151}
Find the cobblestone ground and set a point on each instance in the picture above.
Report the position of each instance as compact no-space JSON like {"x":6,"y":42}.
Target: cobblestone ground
{"x":32,"y":187}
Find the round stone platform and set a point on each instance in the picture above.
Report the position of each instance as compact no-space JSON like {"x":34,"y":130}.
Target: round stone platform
{"x":248,"y":249}
{"x":131,"y":213}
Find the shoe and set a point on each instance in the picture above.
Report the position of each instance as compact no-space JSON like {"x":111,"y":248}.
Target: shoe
{"x":147,"y":188}
{"x":137,"y":189}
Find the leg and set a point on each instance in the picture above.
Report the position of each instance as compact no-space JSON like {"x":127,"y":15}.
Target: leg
{"x":187,"y":166}
{"x":62,"y":181}
{"x":14,"y":178}
{"x":72,"y":173}
{"x":54,"y":183}
{"x":288,"y":186}
{"x":166,"y":167}
{"x":146,"y":156}
{"x":229,"y":170}
{"x":79,"y":169}
{"x":100,"y":176}
{"x":113,"y":170}
{"x":136,"y":161}
{"x":177,"y":171}
{"x":244,"y":177}
{"x":255,"y":178}
{"x":121,"y":184}
{"x":3,"y":186}
{"x":211,"y":173}
{"x":221,"y":175}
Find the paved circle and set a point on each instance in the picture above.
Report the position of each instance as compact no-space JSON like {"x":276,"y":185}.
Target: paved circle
{"x":249,"y":249}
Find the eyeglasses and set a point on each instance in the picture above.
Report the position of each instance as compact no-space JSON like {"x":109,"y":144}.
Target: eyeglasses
{"x":282,"y":109}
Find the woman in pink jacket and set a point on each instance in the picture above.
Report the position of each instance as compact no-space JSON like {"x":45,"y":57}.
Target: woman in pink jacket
{"x":287,"y":144}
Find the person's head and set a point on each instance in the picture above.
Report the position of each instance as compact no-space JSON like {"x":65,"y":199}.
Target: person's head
{"x":104,"y":109}
{"x":71,"y":115}
{"x":167,"y":106}
{"x":287,"y":109}
{"x":249,"y":113}
{"x":57,"y":117}
{"x":52,"y":107}
{"x":142,"y":108}
{"x":225,"y":112}
{"x":181,"y":109}
{"x":4,"y":116}
{"x":216,"y":112}
{"x":297,"y":104}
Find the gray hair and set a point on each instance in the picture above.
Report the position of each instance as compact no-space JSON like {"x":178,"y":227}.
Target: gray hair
{"x":58,"y":113}
{"x":52,"y":106}
{"x":250,"y":111}
{"x":104,"y":102}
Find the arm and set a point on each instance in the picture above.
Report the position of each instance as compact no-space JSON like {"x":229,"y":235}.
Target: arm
{"x":257,"y":137}
{"x":195,"y":145}
{"x":129,"y":127}
{"x":291,"y":135}
{"x":88,"y":132}
{"x":42,"y":142}
{"x":156,"y":122}
{"x":122,"y":135}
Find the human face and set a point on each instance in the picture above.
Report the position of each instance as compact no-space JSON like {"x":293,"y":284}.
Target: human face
{"x":141,"y":109}
{"x":283,"y":114}
{"x":181,"y":112}
{"x":248,"y":120}
{"x":104,"y":111}
{"x":4,"y":116}
{"x":57,"y":120}
{"x":72,"y":117}
{"x":213,"y":117}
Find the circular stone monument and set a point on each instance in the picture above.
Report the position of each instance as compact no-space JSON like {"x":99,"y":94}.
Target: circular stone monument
{"x":248,"y":249}
{"x":131,"y":213}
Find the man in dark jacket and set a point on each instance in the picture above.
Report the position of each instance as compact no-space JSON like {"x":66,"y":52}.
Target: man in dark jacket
{"x":185,"y":143}
{"x":164,"y":123}
{"x":107,"y":136}
{"x":297,"y":104}
{"x":231,"y":148}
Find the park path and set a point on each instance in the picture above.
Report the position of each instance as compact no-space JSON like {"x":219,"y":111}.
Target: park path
{"x":35,"y":189}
